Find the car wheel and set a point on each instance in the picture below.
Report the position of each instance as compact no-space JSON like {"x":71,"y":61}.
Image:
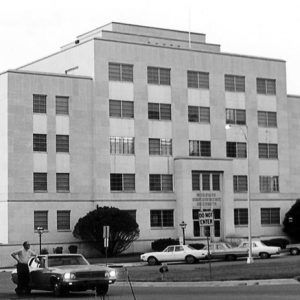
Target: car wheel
{"x":101,"y":289}
{"x":190,"y":259}
{"x":264,"y":255}
{"x":294,"y":251}
{"x":230,"y":257}
{"x":57,"y":289}
{"x":152,"y":261}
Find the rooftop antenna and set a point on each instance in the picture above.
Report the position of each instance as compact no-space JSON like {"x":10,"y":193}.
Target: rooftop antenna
{"x":190,"y":42}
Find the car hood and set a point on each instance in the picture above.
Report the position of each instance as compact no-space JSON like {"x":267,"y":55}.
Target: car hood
{"x":78,"y":268}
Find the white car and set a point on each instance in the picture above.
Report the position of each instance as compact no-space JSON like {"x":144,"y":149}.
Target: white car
{"x":259,"y":249}
{"x":174,"y":253}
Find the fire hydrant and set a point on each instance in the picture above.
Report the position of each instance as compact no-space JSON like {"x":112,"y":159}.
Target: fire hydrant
{"x":163,"y":269}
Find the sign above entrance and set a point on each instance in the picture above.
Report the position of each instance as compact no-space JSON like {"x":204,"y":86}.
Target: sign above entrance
{"x":207,"y":200}
{"x":206,"y":218}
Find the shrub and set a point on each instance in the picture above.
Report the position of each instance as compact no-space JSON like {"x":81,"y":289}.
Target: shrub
{"x":291,"y":222}
{"x":161,"y":244}
{"x":44,"y":251}
{"x":58,"y":250}
{"x":279,"y":242}
{"x":197,"y":246}
{"x":73,"y":248}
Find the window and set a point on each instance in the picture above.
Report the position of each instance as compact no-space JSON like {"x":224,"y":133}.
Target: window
{"x":234,"y":149}
{"x":122,"y":182}
{"x":40,"y":142}
{"x":240,"y":184}
{"x":240,"y":216}
{"x":267,"y":118}
{"x":39,"y":104}
{"x":234,"y":83}
{"x":161,"y":183}
{"x":120,"y":72}
{"x":159,"y":76}
{"x":198,"y":80}
{"x":267,"y":150}
{"x":121,"y":109}
{"x":62,"y":182}
{"x":40,"y":182}
{"x":63,"y":219}
{"x":235,"y":116}
{"x":199,"y":114}
{"x":205,"y":181}
{"x":161,"y":218}
{"x":40,"y":219}
{"x":199,"y":148}
{"x":270,"y":216}
{"x":62,"y":143}
{"x":62,"y":105}
{"x":266,"y":86}
{"x":159,"y":111}
{"x":160,"y":147}
{"x":268,"y":184}
{"x":121,"y":145}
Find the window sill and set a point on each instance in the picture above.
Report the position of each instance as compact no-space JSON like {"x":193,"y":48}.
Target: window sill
{"x":63,"y":230}
{"x":38,"y":191}
{"x":241,"y":226}
{"x":155,"y":192}
{"x":162,"y":228}
{"x":63,"y":192}
{"x":270,"y":225}
{"x":123,"y":191}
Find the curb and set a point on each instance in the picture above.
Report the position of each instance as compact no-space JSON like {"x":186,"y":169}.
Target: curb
{"x":290,"y":281}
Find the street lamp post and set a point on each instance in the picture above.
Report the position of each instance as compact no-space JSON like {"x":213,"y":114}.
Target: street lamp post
{"x":40,"y":231}
{"x":245,"y":134}
{"x":183,"y":226}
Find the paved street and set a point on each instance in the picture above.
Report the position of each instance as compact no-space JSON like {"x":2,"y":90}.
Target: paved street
{"x":172,"y":291}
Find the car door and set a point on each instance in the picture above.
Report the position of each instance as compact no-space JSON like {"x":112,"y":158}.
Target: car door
{"x":37,"y":273}
{"x":167,"y":254}
{"x":179,"y":253}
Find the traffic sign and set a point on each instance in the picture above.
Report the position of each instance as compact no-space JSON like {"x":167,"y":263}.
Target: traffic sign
{"x":206,"y":218}
{"x":105,"y":232}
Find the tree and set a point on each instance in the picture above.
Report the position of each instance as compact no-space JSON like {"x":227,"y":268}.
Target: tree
{"x":291,"y":222}
{"x":123,"y":229}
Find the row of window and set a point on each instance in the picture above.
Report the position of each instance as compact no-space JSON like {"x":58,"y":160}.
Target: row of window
{"x":195,"y":79}
{"x":210,"y":181}
{"x":40,"y":104}
{"x":40,"y":182}
{"x":199,"y":114}
{"x":269,"y":216}
{"x":40,"y":143}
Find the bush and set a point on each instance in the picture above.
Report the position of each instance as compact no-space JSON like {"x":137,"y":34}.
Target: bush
{"x":197,"y":246}
{"x":161,"y":244}
{"x":72,"y":248}
{"x":44,"y":251}
{"x":58,"y":250}
{"x":279,"y":242}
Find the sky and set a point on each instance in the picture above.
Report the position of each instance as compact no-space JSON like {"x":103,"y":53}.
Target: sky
{"x":32,"y":29}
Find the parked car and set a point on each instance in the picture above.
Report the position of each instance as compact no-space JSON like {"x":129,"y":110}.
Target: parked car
{"x":259,"y":249}
{"x":174,"y":253}
{"x":62,"y":273}
{"x":220,"y":250}
{"x":294,"y":249}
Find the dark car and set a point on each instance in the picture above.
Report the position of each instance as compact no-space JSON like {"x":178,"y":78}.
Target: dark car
{"x":62,"y":273}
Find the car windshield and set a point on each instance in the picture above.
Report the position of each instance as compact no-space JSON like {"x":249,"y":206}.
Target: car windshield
{"x":190,"y":247}
{"x":55,"y":261}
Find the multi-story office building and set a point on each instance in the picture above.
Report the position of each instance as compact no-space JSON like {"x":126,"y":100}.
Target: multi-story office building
{"x":134,"y":117}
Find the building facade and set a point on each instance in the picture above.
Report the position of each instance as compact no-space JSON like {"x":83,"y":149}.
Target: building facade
{"x":135,"y":117}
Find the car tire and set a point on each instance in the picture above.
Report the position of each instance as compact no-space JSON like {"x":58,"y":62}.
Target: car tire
{"x":101,"y":289}
{"x":190,"y":259}
{"x":230,"y":257}
{"x":264,"y":255}
{"x":152,"y":261}
{"x":57,"y":289}
{"x":294,"y":251}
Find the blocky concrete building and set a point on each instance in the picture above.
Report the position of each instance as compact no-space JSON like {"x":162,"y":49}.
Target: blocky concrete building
{"x":135,"y":117}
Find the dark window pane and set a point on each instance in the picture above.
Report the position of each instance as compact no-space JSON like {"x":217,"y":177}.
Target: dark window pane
{"x":62,"y":105}
{"x":62,"y":182}
{"x":127,"y":72}
{"x":153,"y":111}
{"x":115,"y":108}
{"x":167,"y":182}
{"x":40,"y":182}
{"x":261,"y":86}
{"x":39,"y":104}
{"x":216,"y":182}
{"x":155,"y":218}
{"x":231,"y":149}
{"x":195,"y":181}
{"x":127,"y":109}
{"x":241,"y":150}
{"x":40,"y":142}
{"x":155,"y":182}
{"x":114,"y":72}
{"x":154,"y":146}
{"x":205,"y":148}
{"x":240,"y":83}
{"x":40,"y":219}
{"x":63,"y":219}
{"x":203,"y":80}
{"x":128,"y":182}
{"x":229,"y":83}
{"x":193,"y":112}
{"x":272,"y":119}
{"x":205,"y":182}
{"x":165,"y":111}
{"x":62,"y":143}
{"x":152,"y":73}
{"x":204,"y":114}
{"x":192,"y":79}
{"x":240,"y":116}
{"x":116,"y":182}
{"x":167,"y":218}
{"x":164,"y":76}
